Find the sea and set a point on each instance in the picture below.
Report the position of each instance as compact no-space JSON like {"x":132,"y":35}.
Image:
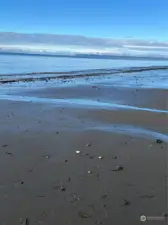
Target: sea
{"x":16,"y":64}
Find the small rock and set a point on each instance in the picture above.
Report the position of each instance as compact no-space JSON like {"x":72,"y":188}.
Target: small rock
{"x":83,"y":215}
{"x":104,"y":196}
{"x":24,"y":222}
{"x":89,"y":171}
{"x":40,"y":196}
{"x":3,"y":146}
{"x":9,"y":153}
{"x":158,"y":141}
{"x":63,"y":188}
{"x":114,"y":157}
{"x":91,"y":157}
{"x":126,"y":202}
{"x":165,"y":215}
{"x":57,"y":132}
{"x":88,"y":145}
{"x":22,"y":182}
{"x":118,"y":168}
{"x":27,"y":221}
{"x":77,"y":152}
{"x":100,"y":157}
{"x":66,"y":160}
{"x":69,"y":179}
{"x":47,"y":156}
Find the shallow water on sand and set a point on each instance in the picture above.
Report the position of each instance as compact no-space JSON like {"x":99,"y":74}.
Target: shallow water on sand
{"x":113,"y":119}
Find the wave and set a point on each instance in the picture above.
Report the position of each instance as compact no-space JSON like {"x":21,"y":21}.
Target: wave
{"x":79,"y":103}
{"x":5,"y":78}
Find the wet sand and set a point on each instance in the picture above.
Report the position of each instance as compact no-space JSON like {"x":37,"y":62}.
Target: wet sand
{"x":120,"y":172}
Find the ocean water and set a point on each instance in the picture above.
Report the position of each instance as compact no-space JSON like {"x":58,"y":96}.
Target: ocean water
{"x":16,"y":67}
{"x":16,"y":64}
{"x":122,"y":84}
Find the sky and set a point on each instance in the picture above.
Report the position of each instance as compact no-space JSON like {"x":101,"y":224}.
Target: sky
{"x":124,"y":26}
{"x":145,"y":19}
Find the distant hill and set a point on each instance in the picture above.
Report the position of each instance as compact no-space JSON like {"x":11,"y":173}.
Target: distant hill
{"x":88,"y":56}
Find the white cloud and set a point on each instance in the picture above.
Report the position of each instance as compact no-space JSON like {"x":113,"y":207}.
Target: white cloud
{"x":80,"y":44}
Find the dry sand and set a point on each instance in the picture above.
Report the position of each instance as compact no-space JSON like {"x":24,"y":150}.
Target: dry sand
{"x":43,"y":179}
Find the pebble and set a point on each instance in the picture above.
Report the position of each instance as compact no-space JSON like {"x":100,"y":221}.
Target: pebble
{"x":3,"y":146}
{"x":88,"y":145}
{"x":126,"y":202}
{"x":83,"y":215}
{"x":118,"y":168}
{"x":114,"y":157}
{"x":104,"y":196}
{"x":77,"y":152}
{"x":63,"y":188}
{"x":158,"y":141}
{"x":100,"y":157}
{"x":9,"y":153}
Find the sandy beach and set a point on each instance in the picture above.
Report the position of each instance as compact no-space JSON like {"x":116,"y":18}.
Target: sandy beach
{"x":82,"y":153}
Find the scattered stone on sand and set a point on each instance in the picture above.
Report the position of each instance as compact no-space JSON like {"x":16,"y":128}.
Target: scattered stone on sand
{"x":24,"y":221}
{"x":63,"y":188}
{"x":77,"y":152}
{"x":83,"y":215}
{"x":158,"y":141}
{"x":100,"y":157}
{"x":40,"y":196}
{"x":75,"y":198}
{"x":91,"y":157}
{"x":104,"y":195}
{"x":88,"y":145}
{"x":21,"y":182}
{"x":57,"y":132}
{"x":89,"y":171}
{"x":115,"y":157}
{"x":126,"y":202}
{"x":98,"y":176}
{"x":4,"y":146}
{"x":66,"y":160}
{"x":47,"y":156}
{"x":9,"y":153}
{"x":165,"y":215}
{"x":118,"y":168}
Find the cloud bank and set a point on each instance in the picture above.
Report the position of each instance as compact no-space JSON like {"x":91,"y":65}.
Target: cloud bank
{"x":73,"y":44}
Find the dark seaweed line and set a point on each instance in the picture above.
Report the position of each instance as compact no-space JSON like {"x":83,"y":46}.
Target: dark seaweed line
{"x":70,"y":75}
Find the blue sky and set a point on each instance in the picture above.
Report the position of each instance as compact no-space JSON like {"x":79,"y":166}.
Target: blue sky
{"x":142,"y":19}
